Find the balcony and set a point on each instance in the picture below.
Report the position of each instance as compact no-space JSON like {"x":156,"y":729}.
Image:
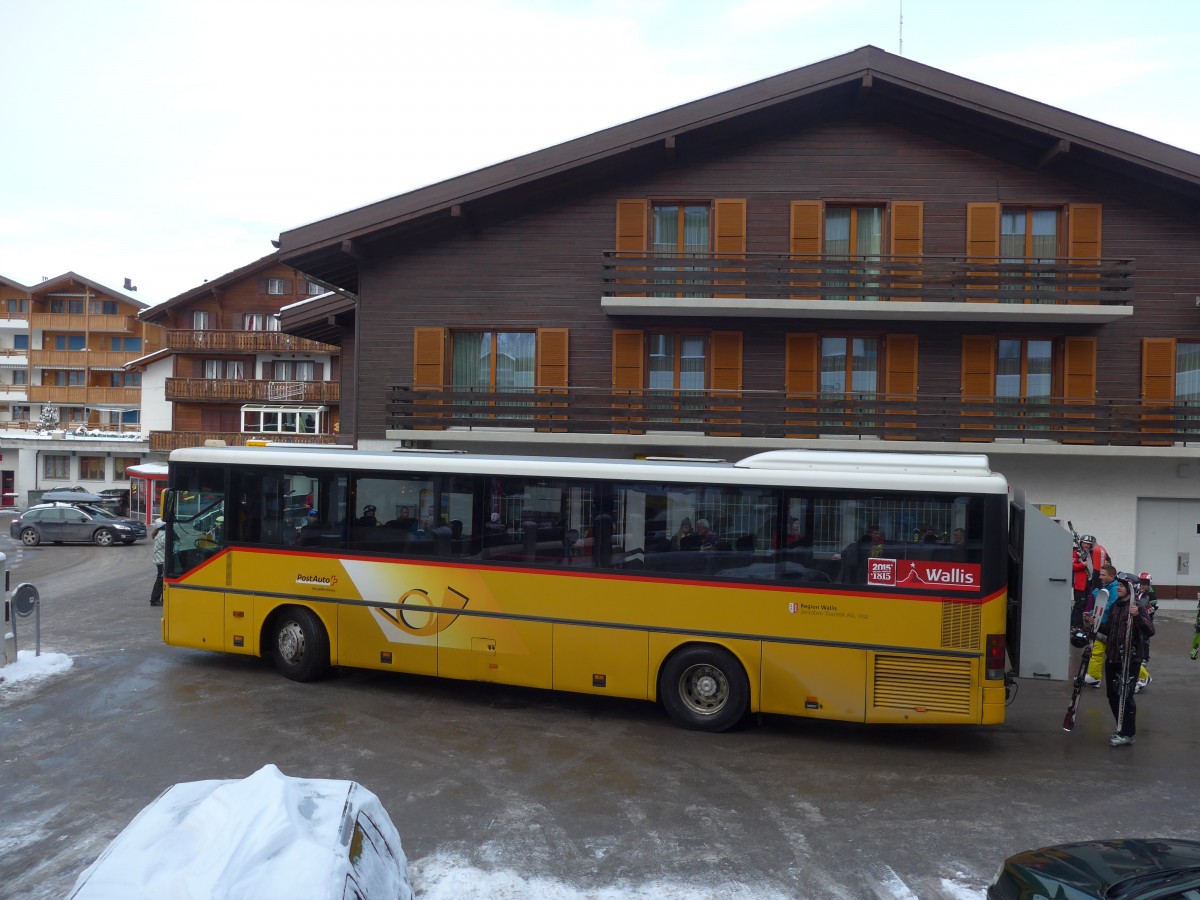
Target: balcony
{"x":779,"y":415}
{"x":166,"y":441}
{"x":208,"y":389}
{"x":82,"y":395}
{"x":84,"y":322}
{"x":244,"y":342}
{"x":80,"y":359}
{"x":941,"y":288}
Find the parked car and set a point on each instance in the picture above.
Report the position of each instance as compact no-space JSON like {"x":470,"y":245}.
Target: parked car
{"x":267,"y":836}
{"x":57,"y":523}
{"x":1140,"y":869}
{"x":116,"y":500}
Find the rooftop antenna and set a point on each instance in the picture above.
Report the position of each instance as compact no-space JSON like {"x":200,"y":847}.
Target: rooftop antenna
{"x":901,"y":27}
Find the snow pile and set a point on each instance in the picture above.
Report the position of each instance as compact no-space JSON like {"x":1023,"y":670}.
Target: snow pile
{"x":29,"y":667}
{"x":267,"y":835}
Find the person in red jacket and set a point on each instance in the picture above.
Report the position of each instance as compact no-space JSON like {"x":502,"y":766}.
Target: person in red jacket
{"x":1095,"y":557}
{"x":1083,"y":596}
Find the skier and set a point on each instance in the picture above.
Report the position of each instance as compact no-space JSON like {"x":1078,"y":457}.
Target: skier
{"x":1125,"y":626}
{"x":1104,"y":596}
{"x":1147,"y":597}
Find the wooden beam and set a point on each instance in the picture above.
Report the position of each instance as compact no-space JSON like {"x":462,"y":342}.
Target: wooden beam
{"x":354,"y":250}
{"x":462,"y":215}
{"x":669,"y":147}
{"x":1059,"y":148}
{"x":864,"y":89}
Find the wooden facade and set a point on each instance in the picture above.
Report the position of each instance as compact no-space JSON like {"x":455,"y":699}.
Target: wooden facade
{"x":562,"y":245}
{"x":224,"y":354}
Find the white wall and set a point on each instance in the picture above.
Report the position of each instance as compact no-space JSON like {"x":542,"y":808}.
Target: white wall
{"x":156,"y":411}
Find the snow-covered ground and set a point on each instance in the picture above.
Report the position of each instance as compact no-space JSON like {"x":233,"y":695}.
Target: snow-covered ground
{"x":287,"y":845}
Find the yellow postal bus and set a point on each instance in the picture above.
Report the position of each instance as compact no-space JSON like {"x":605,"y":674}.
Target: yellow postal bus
{"x":866,"y":587}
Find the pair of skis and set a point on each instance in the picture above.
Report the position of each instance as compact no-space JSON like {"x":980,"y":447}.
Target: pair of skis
{"x":1081,"y":674}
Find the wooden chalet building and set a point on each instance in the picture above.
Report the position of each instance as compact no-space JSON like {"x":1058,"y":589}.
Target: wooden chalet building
{"x":865,"y":253}
{"x":227,"y":372}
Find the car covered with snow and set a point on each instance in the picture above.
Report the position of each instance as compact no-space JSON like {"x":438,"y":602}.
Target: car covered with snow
{"x":268,"y":835}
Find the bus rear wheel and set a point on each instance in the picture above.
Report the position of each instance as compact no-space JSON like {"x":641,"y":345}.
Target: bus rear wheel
{"x":299,"y":644}
{"x":704,"y":688}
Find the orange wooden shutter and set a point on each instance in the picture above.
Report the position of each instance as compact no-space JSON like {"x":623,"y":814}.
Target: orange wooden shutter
{"x":978,"y":376}
{"x":729,"y":238}
{"x":429,"y":355}
{"x":627,"y":377}
{"x":726,"y":376}
{"x":633,"y":217}
{"x":1079,"y":380}
{"x":900,"y":381}
{"x":429,"y":366}
{"x":805,"y":242}
{"x":552,"y":357}
{"x":802,"y":379}
{"x":1083,"y":242}
{"x":983,"y":247}
{"x":551,"y":377}
{"x":1158,"y":383}
{"x":908,"y":230}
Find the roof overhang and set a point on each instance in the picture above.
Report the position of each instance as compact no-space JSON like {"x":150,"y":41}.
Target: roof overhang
{"x":867,"y":82}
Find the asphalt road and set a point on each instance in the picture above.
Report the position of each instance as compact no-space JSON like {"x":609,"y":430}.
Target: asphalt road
{"x":589,"y":791}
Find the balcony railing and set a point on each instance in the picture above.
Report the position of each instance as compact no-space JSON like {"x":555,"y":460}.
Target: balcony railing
{"x":944,"y":279}
{"x":776,"y":414}
{"x":83,"y":322}
{"x":167,"y":441}
{"x":244,"y":341}
{"x":78,"y":359}
{"x":258,"y":391}
{"x":81,"y":394}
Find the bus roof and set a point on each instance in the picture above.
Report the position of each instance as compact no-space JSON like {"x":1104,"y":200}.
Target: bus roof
{"x":943,"y":472}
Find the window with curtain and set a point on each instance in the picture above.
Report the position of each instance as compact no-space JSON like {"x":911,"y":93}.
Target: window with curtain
{"x":201,"y":320}
{"x":679,"y":229}
{"x":487,"y":361}
{"x":677,"y":365}
{"x":1028,"y":237}
{"x":1025,"y":373}
{"x":855,"y":234}
{"x":849,"y":371}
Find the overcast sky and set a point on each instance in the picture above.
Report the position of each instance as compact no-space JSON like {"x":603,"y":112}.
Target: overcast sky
{"x":170,"y":142}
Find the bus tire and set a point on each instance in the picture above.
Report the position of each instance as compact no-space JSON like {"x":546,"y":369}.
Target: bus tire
{"x":299,"y":644}
{"x":704,"y":688}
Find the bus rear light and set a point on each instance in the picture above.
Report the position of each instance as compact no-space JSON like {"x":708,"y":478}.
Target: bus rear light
{"x":995,"y":657}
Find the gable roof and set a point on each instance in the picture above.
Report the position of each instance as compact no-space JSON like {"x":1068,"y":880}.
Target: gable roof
{"x":158,"y":313}
{"x":69,"y":278}
{"x":868,"y":81}
{"x":14,"y":284}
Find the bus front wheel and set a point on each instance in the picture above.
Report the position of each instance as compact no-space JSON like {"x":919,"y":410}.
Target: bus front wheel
{"x":705,"y":688}
{"x":299,"y":644}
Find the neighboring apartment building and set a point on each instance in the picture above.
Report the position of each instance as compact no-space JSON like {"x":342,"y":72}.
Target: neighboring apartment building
{"x":227,"y":372}
{"x":865,"y":253}
{"x":64,"y":343}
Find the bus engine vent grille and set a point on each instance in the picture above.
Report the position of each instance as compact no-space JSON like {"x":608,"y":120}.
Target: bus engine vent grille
{"x":960,"y":626}
{"x":929,"y":683}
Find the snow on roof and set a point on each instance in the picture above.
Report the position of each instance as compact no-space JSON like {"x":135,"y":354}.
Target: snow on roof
{"x":148,"y":469}
{"x":267,"y":835}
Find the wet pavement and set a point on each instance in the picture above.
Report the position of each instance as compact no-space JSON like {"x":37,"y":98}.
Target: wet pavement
{"x":590,"y":791}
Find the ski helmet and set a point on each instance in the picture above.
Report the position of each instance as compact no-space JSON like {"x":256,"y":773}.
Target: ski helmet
{"x":1145,"y":576}
{"x":1079,"y":638}
{"x":1088,"y":539}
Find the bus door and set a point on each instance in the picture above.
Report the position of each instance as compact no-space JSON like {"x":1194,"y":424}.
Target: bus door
{"x":195,"y":591}
{"x":1040,"y":585}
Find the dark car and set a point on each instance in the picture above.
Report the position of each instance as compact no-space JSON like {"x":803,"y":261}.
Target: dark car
{"x":57,"y":523}
{"x":1142,"y":869}
{"x":115,"y":500}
